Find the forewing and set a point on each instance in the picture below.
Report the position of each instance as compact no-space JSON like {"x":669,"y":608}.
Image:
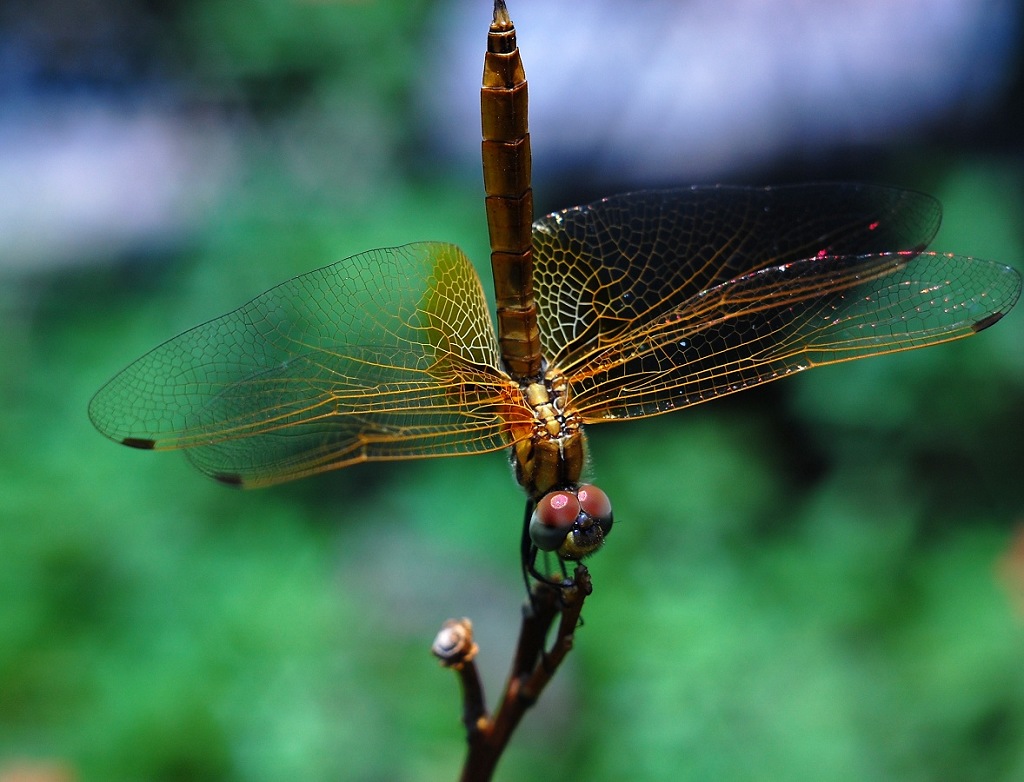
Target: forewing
{"x":610,"y":267}
{"x":389,"y":354}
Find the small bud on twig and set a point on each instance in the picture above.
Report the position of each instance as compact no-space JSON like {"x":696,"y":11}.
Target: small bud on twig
{"x":454,"y":645}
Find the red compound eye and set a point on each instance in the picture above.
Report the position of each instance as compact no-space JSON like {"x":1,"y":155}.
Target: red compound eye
{"x":558,"y":509}
{"x":594,"y":502}
{"x":553,"y":518}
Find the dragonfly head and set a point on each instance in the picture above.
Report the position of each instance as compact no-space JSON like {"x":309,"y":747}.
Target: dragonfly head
{"x":574,"y":521}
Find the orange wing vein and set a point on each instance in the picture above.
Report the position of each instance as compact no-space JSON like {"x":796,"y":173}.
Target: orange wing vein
{"x":389,"y":354}
{"x":659,"y":300}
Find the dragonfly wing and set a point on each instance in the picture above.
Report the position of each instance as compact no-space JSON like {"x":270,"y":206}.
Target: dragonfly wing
{"x":389,"y":354}
{"x":604,"y":269}
{"x":770,"y":323}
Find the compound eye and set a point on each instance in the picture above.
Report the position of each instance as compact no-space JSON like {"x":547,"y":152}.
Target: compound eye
{"x":595,"y":503}
{"x":553,"y":518}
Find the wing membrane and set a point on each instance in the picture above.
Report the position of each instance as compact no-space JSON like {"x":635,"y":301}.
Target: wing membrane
{"x":605,"y":269}
{"x":386,"y":355}
{"x":770,"y":323}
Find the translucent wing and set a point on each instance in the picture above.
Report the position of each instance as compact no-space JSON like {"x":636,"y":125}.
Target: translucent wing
{"x":385,"y":355}
{"x":659,"y":300}
{"x":609,"y":267}
{"x":770,"y":323}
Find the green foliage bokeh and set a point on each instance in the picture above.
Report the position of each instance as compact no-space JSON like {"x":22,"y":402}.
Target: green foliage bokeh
{"x":811,"y":582}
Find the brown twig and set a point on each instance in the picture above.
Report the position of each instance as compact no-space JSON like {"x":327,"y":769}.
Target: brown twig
{"x":533,"y":667}
{"x":455,"y":648}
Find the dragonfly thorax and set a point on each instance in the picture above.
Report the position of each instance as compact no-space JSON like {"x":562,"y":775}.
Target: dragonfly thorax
{"x":550,"y":453}
{"x":546,"y":401}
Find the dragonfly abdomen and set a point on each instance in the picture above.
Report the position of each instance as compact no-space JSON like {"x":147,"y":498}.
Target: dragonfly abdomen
{"x":506,"y":166}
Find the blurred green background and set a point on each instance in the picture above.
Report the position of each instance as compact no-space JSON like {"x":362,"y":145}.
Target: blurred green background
{"x":814,"y":580}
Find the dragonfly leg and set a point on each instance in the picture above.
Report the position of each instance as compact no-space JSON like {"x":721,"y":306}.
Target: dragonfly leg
{"x":527,"y":551}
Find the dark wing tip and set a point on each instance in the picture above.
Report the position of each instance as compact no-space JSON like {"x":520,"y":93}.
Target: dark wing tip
{"x":1008,"y":291}
{"x":985,"y":322}
{"x":228,"y":478}
{"x":143,"y":443}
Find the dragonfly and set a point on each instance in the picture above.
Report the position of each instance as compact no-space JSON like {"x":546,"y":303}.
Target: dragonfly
{"x":633,"y":306}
